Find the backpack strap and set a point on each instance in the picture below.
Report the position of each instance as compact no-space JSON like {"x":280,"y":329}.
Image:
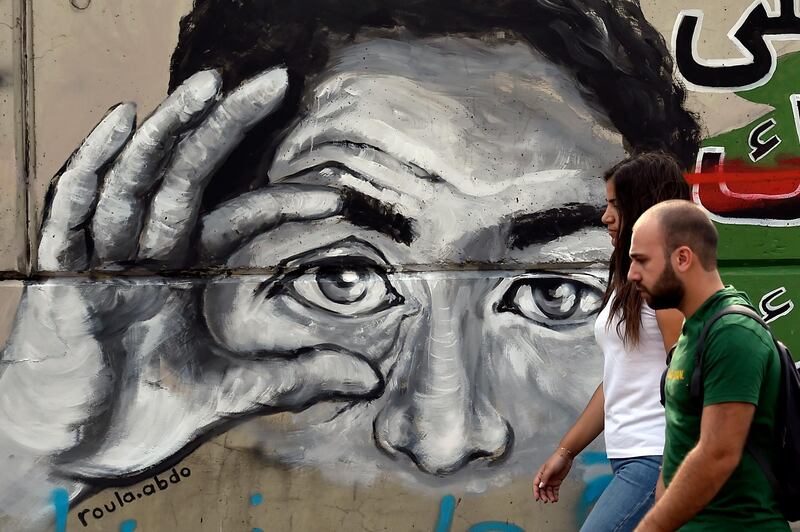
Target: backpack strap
{"x":763,"y":462}
{"x":696,"y":382}
{"x":664,"y":375}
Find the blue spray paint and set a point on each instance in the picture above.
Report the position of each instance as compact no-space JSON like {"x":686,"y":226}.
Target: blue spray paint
{"x":590,"y":458}
{"x":128,"y":526}
{"x":447,"y":508}
{"x":595,"y":484}
{"x":495,"y":526}
{"x":61,"y":503}
{"x":255,"y":500}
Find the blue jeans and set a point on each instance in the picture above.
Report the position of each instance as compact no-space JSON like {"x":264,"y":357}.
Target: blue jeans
{"x":627,"y":498}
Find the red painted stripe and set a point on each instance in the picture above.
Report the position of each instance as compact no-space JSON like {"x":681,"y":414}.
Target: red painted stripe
{"x":748,"y":187}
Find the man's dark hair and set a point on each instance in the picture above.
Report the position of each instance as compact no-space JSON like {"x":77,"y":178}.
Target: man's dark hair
{"x":685,"y":224}
{"x":619,"y":61}
{"x":640,"y":182}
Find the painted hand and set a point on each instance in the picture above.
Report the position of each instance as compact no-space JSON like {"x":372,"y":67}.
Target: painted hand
{"x":107,"y":378}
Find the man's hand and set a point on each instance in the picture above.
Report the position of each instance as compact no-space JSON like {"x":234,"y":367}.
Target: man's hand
{"x":108,"y":378}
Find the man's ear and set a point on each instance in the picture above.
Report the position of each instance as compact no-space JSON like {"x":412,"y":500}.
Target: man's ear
{"x":682,"y":259}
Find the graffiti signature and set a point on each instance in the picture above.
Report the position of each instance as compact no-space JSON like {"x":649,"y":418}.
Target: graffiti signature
{"x":60,"y":500}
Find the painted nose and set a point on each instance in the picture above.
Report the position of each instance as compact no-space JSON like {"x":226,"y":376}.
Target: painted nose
{"x":438,"y":413}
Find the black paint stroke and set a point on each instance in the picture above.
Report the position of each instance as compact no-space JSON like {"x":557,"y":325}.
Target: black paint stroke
{"x":769,"y":311}
{"x":548,"y":225}
{"x":710,"y":161}
{"x":752,"y":34}
{"x":760,"y":148}
{"x":369,"y":212}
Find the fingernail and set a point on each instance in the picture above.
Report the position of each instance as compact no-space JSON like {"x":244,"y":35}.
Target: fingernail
{"x":343,"y":372}
{"x":205,"y":84}
{"x":125,"y":109}
{"x":277,"y":78}
{"x":541,"y":485}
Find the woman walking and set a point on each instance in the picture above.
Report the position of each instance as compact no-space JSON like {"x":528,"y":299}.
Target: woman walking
{"x":634,"y":340}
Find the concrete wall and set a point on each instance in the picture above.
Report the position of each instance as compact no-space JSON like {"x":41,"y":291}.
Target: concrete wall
{"x":359,"y":300}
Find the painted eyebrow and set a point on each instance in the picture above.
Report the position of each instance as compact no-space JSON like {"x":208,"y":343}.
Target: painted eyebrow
{"x":548,"y":225}
{"x":364,"y":210}
{"x":371,"y":213}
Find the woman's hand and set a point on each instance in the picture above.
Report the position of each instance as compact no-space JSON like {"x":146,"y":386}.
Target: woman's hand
{"x":548,"y":479}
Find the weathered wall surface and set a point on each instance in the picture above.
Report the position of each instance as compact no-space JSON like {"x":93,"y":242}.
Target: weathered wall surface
{"x":345,"y":276}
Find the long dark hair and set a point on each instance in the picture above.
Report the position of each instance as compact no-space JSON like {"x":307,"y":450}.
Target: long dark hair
{"x":640,"y":182}
{"x":619,"y":61}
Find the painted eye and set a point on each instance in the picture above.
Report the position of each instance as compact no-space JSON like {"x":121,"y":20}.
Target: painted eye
{"x":344,"y":287}
{"x":346,"y":290}
{"x":552,"y":300}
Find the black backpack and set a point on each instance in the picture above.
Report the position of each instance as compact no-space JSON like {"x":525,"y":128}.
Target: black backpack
{"x":784,"y":476}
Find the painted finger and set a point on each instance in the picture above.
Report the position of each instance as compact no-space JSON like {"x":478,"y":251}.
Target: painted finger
{"x":297,"y":383}
{"x":238,"y":220}
{"x":63,"y":244}
{"x":165,"y":422}
{"x":120,"y":209}
{"x":174,"y":209}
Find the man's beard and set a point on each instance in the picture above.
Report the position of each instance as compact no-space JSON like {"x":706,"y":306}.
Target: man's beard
{"x":667,"y":292}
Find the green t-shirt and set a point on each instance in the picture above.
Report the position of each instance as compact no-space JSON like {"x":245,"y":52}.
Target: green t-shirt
{"x":740,"y":364}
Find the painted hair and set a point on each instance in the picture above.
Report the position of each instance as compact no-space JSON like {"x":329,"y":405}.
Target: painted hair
{"x":619,"y":61}
{"x":640,"y":182}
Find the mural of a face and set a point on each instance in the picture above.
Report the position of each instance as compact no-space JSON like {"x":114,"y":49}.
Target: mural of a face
{"x":480,"y":151}
{"x":403,"y":199}
{"x":412,"y":267}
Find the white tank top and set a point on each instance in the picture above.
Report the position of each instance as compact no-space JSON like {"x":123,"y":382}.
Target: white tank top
{"x":634,"y":417}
